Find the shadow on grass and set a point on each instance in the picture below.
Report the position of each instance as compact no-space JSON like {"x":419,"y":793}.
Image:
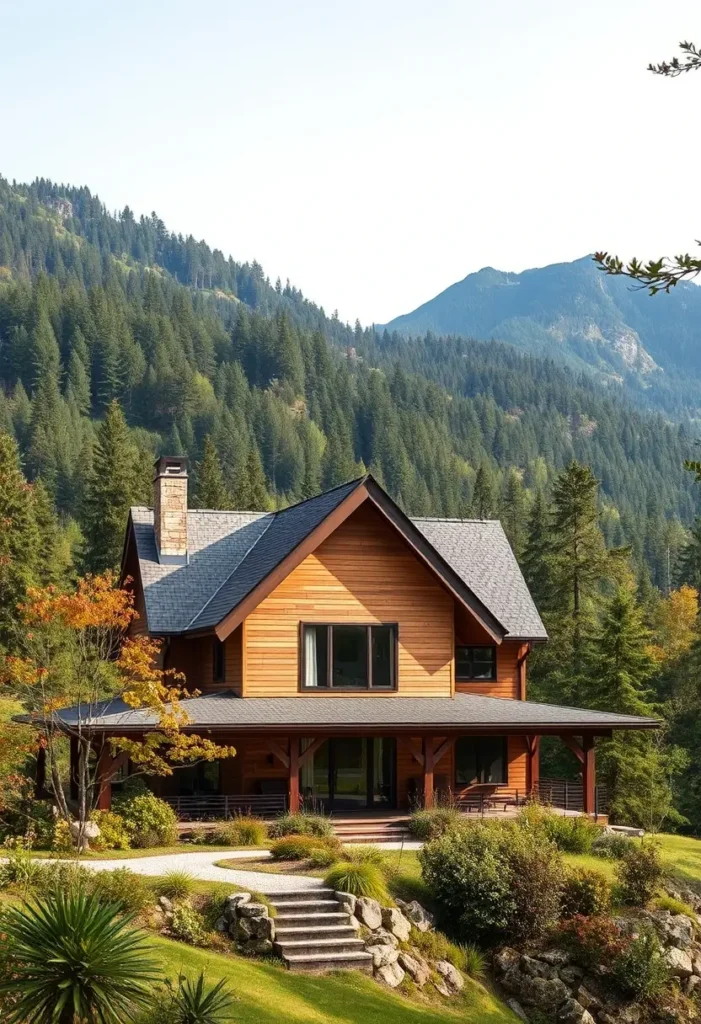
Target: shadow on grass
{"x":267,"y":994}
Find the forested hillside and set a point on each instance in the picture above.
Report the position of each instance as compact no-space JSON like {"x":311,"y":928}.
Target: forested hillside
{"x":574,"y":314}
{"x":96,"y":308}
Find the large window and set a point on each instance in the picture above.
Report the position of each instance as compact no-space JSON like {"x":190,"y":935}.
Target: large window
{"x":349,"y":657}
{"x":481,"y":759}
{"x":475,"y":664}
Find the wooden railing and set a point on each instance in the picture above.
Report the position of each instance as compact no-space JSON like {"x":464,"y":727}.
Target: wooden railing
{"x":203,"y":808}
{"x":568,"y":796}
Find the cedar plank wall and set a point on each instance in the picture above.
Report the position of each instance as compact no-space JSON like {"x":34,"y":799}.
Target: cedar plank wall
{"x":194,"y":658}
{"x":364,"y":572}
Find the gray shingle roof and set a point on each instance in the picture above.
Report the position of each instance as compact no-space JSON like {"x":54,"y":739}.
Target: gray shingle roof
{"x":480,"y":553}
{"x":230,"y":553}
{"x":225,"y":710}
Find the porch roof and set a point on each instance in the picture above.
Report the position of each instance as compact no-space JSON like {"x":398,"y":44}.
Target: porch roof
{"x":342,"y":712}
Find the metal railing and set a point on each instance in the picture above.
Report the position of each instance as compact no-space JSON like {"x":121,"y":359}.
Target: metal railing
{"x":568,"y":795}
{"x":204,"y":808}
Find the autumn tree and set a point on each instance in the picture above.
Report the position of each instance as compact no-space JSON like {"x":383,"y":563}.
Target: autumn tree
{"x":77,"y":660}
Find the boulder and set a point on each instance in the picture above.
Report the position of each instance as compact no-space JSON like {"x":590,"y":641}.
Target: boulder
{"x":679,"y":931}
{"x":572,"y":1012}
{"x":260,"y":947}
{"x":381,"y":937}
{"x":679,"y":962}
{"x":555,"y":957}
{"x":382,"y":956}
{"x":441,"y":987}
{"x":546,"y":994}
{"x":696,"y":961}
{"x":91,"y":831}
{"x":416,"y":967}
{"x":391,"y":975}
{"x":237,"y":898}
{"x":589,"y":1000}
{"x":451,"y":975}
{"x":536,"y":968}
{"x":252,"y":910}
{"x":571,"y":975}
{"x":347,"y":901}
{"x":395,"y":922}
{"x":516,"y":1008}
{"x":691,"y":985}
{"x":165,"y":904}
{"x":368,"y":912}
{"x":505,"y":959}
{"x":221,"y":925}
{"x":418,"y":915}
{"x":354,"y":923}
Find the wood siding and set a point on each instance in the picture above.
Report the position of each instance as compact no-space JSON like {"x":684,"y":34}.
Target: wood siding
{"x":506,"y":683}
{"x":363,"y":573}
{"x":194,"y":658}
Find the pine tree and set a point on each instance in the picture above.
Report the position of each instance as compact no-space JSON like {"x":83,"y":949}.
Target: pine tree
{"x":112,"y":487}
{"x":537,"y":552}
{"x":53,"y":551}
{"x":210,"y":490}
{"x":513,"y":512}
{"x":259,"y":500}
{"x":19,"y":540}
{"x":483,"y":505}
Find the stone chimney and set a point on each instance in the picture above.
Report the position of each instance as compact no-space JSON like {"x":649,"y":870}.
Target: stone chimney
{"x":170,"y":509}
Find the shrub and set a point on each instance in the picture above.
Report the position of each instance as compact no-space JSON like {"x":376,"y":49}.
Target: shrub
{"x":188,"y":925}
{"x":612,"y":845}
{"x":241,"y":831}
{"x":474,"y":961}
{"x":61,"y":839}
{"x":114,"y":834}
{"x":429,"y":823}
{"x":72,"y":951}
{"x":358,"y":879}
{"x":592,"y":940}
{"x":303,"y":823}
{"x":490,"y":881}
{"x":570,"y":833}
{"x":18,"y":868}
{"x":640,"y":969}
{"x":437,"y":946}
{"x":322,"y":857}
{"x":129,"y":892}
{"x":585,"y":892}
{"x":639,"y":874}
{"x":195,"y":1002}
{"x":364,"y":855}
{"x":175,"y":885}
{"x":301,"y":847}
{"x":675,"y":906}
{"x":149,"y":821}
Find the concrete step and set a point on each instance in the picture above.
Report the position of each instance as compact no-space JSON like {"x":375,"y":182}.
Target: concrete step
{"x":314,"y":947}
{"x":295,"y":895}
{"x":329,"y":962}
{"x":308,"y":906}
{"x":310,"y":919}
{"x":293,"y":933}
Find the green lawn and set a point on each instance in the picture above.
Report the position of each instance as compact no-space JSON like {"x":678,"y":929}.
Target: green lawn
{"x":156,"y":851}
{"x":268,"y":994}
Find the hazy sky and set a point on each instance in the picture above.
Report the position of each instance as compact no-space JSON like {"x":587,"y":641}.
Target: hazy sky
{"x":372,"y":152}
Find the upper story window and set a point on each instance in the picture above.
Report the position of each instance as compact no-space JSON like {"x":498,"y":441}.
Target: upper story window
{"x":475,"y":664}
{"x":348,"y":657}
{"x":218,"y":661}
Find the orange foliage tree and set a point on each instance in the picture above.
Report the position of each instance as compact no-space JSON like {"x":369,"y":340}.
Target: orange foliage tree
{"x":78,"y":661}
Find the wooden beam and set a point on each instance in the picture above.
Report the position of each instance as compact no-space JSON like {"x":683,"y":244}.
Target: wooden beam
{"x":293,"y":776}
{"x":311,"y":750}
{"x":428,"y":771}
{"x":521,"y":661}
{"x":589,"y":775}
{"x":571,"y":742}
{"x":104,"y":778}
{"x":533,"y":766}
{"x":416,"y":754}
{"x":443,"y":749}
{"x":279,"y":753}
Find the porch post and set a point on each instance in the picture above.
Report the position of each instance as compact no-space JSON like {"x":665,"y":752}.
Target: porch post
{"x":533,"y":775}
{"x":293,"y":773}
{"x":588,"y":775}
{"x":428,"y":771}
{"x":40,"y":776}
{"x":104,"y":778}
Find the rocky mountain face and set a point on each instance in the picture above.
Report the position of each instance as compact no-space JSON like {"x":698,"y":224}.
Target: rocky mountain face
{"x":575,"y":314}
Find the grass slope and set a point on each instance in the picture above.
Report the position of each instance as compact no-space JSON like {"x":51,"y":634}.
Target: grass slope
{"x":268,"y":994}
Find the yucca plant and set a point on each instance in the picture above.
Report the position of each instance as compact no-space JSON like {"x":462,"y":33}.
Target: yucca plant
{"x":195,"y":1002}
{"x":72,"y":957}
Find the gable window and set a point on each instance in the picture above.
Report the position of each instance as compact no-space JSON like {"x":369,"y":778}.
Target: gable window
{"x":475,"y":664}
{"x":481,"y":759}
{"x":218,"y":661}
{"x":348,"y":657}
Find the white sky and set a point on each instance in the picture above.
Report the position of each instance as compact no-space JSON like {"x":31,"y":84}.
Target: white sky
{"x":372,"y":152}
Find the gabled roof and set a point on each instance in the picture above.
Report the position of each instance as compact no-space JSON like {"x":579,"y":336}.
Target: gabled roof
{"x":464,"y":710}
{"x":235,"y":556}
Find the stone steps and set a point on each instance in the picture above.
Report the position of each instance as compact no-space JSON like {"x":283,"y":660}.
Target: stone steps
{"x":371,"y":830}
{"x":314,"y":933}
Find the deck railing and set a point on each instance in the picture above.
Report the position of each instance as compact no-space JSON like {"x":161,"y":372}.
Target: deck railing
{"x":204,"y":808}
{"x":568,"y":795}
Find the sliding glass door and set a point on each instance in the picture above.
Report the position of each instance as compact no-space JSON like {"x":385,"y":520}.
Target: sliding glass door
{"x":350,"y":773}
